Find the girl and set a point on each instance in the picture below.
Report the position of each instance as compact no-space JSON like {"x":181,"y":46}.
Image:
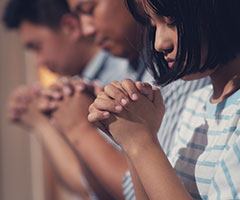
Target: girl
{"x":187,"y":39}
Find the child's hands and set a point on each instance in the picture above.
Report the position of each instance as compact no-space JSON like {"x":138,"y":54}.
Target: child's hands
{"x":129,"y":115}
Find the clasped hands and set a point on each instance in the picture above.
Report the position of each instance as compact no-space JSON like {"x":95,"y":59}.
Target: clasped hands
{"x":64,"y":104}
{"x":131,"y":112}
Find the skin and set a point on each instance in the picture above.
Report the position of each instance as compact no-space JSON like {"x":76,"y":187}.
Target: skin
{"x":59,"y":132}
{"x":103,"y":20}
{"x":108,"y":165}
{"x":84,"y":136}
{"x":24,"y":111}
{"x":58,"y":49}
{"x":122,"y":41}
{"x":139,"y":139}
{"x":26,"y":108}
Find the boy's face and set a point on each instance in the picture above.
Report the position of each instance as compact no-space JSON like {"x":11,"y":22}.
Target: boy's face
{"x":53,"y":48}
{"x":111,"y":25}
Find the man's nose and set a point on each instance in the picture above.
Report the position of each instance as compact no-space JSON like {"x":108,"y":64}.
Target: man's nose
{"x":87,"y":25}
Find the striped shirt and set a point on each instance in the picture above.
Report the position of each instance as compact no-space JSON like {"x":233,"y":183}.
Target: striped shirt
{"x":175,"y":96}
{"x":206,"y":153}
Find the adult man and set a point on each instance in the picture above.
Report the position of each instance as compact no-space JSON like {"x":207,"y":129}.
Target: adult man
{"x":52,"y":32}
{"x":115,"y":30}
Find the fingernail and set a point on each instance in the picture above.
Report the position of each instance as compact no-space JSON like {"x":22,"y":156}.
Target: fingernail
{"x":124,"y":102}
{"x":118,"y":108}
{"x":106,"y":114}
{"x":134,"y":97}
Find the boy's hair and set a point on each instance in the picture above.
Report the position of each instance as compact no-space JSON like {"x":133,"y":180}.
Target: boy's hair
{"x":39,"y":12}
{"x":210,"y":24}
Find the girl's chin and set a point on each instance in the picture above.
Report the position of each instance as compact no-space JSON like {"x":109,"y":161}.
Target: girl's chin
{"x":171,"y":65}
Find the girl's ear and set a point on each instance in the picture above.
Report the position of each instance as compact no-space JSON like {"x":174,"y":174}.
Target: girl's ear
{"x":70,"y":27}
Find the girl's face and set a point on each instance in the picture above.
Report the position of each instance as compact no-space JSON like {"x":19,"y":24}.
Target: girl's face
{"x":166,"y":37}
{"x":166,"y":40}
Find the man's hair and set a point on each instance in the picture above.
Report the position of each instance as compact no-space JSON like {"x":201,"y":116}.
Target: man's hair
{"x":39,"y":12}
{"x":210,"y":24}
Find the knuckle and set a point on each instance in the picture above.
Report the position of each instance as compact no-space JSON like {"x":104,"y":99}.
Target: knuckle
{"x":90,"y":108}
{"x":107,"y":88}
{"x":127,"y":81}
{"x":101,"y":94}
{"x":115,"y":83}
{"x":89,"y":117}
{"x":128,"y":84}
{"x":97,"y":102}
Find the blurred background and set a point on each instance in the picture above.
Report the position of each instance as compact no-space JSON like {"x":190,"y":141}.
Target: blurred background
{"x":24,"y":175}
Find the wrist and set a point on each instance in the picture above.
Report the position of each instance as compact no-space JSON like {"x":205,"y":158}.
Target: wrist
{"x":136,"y":146}
{"x":79,"y":131}
{"x":43,"y":128}
{"x":42,"y":124}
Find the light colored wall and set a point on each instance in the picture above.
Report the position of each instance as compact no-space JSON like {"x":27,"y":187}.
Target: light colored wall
{"x":20,"y":158}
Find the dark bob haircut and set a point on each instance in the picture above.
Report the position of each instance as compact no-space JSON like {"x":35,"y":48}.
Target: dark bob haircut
{"x":216,"y":22}
{"x":38,"y":12}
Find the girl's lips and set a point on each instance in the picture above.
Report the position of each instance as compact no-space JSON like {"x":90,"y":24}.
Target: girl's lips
{"x":171,"y":64}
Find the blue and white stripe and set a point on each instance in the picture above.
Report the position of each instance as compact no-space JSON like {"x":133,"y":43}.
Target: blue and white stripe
{"x":206,"y":154}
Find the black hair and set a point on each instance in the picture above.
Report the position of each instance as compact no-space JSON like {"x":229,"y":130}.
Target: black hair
{"x":39,"y":12}
{"x":214,"y":23}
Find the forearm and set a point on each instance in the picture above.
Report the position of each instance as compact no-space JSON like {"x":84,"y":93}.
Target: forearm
{"x":63,"y":160}
{"x":107,"y":163}
{"x":139,"y":190}
{"x":156,"y":173}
